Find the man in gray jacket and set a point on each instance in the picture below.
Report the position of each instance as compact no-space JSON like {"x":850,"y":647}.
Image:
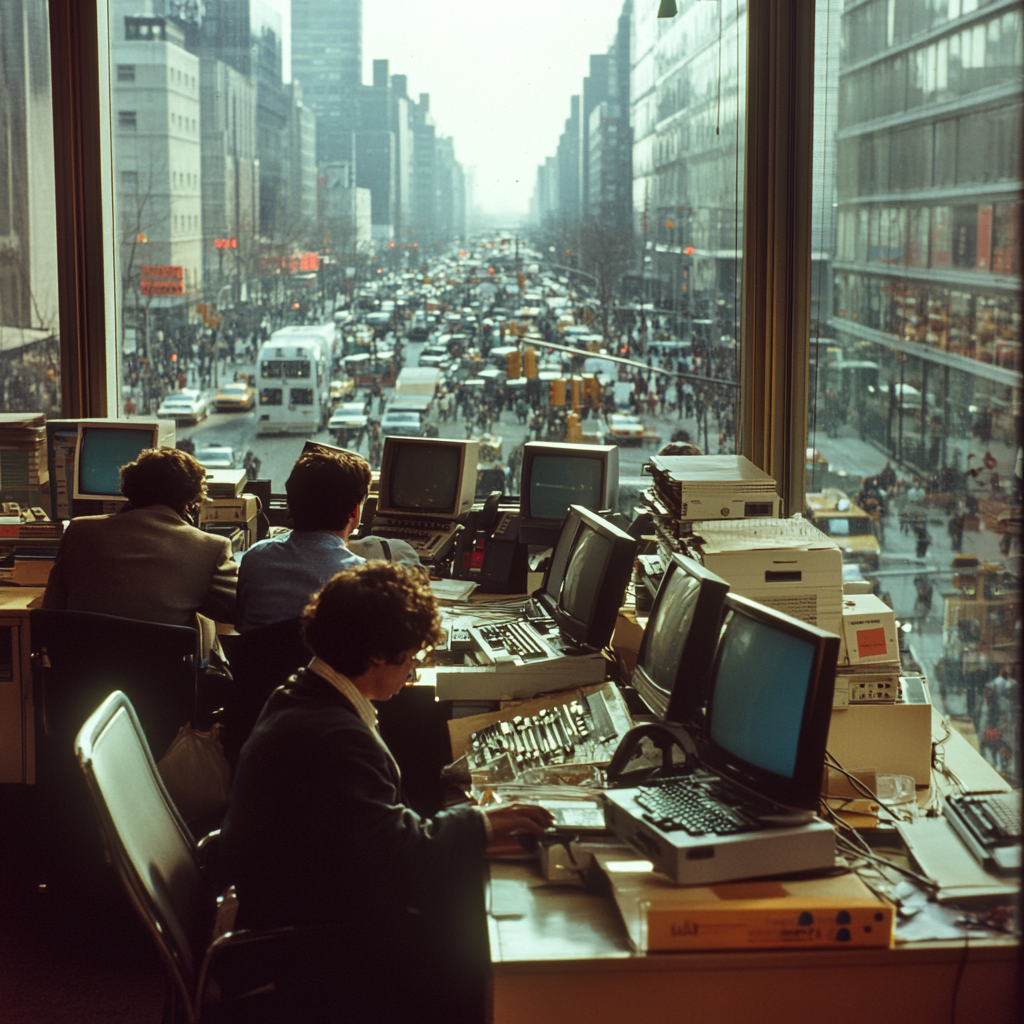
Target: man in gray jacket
{"x":147,"y":561}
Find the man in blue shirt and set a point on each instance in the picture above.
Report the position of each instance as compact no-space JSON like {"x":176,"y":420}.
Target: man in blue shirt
{"x":278,"y":576}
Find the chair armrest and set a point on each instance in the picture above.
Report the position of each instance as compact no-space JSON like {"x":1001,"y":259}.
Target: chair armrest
{"x":253,"y":963}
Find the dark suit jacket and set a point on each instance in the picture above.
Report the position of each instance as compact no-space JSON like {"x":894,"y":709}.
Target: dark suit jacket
{"x":316,"y":833}
{"x":144,"y":564}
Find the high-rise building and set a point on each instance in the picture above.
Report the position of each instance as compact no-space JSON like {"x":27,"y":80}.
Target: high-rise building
{"x":927,"y":273}
{"x":327,"y":61}
{"x":254,"y":37}
{"x":155,"y":111}
{"x":230,"y":185}
{"x":28,"y":229}
{"x":300,"y":184}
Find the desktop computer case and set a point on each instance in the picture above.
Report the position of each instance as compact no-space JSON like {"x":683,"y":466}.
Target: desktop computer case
{"x":704,"y":860}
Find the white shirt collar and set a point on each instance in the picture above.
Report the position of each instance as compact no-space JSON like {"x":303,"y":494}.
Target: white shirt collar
{"x":364,"y":709}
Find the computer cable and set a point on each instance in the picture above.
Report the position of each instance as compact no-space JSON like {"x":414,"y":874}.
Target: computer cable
{"x":862,"y":789}
{"x":927,"y":883}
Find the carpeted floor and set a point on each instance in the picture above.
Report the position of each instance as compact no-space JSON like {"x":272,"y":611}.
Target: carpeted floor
{"x":74,"y":953}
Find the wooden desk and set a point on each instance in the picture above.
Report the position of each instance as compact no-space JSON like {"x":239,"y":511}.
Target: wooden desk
{"x":561,"y":955}
{"x":17,"y":730}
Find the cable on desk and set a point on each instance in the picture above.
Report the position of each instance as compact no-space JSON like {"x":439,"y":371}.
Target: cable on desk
{"x":929,"y":885}
{"x":860,"y":787}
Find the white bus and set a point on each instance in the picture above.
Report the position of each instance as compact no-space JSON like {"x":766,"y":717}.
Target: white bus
{"x":293,"y":381}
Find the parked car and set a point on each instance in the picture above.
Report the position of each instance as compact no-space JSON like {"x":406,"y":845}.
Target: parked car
{"x":237,"y":397}
{"x":401,"y":422}
{"x":624,"y":428}
{"x":347,"y":421}
{"x":217,"y":456}
{"x":184,"y":406}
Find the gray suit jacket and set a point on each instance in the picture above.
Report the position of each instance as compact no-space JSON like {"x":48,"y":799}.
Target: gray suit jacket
{"x":144,"y":564}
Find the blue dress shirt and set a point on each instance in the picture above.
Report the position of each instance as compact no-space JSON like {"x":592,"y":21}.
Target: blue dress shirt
{"x":279,"y":575}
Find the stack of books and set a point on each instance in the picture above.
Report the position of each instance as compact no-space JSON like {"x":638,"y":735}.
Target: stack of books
{"x":24,"y":477}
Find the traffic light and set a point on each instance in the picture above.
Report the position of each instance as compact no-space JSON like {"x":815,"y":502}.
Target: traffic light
{"x":514,"y":365}
{"x":575,"y":393}
{"x":557,"y":393}
{"x":592,"y":391}
{"x":573,"y":429}
{"x":530,"y":357}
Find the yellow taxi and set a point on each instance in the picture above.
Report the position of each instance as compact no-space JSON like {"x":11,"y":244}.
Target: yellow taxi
{"x":853,"y":529}
{"x":237,"y":397}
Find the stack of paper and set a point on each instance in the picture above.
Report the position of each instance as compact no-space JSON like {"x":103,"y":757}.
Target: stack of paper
{"x":23,"y":471}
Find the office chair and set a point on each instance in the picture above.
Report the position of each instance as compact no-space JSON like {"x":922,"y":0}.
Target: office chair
{"x":77,"y":659}
{"x":80,"y":657}
{"x":214,"y":974}
{"x":261,"y":660}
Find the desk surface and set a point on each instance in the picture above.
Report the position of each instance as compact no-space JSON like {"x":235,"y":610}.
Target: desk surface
{"x":560,"y":954}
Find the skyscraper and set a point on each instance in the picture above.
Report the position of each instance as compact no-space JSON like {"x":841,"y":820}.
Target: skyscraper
{"x":327,"y":58}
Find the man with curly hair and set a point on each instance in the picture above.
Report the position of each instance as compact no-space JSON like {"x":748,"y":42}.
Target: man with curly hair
{"x":317,"y":834}
{"x":148,"y":561}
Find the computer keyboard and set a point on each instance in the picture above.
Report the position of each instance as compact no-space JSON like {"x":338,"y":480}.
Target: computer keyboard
{"x":691,"y":803}
{"x":430,"y":539}
{"x":990,"y":825}
{"x":515,"y":638}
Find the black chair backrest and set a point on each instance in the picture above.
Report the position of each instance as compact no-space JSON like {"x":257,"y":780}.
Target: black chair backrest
{"x":261,"y":660}
{"x":81,"y":657}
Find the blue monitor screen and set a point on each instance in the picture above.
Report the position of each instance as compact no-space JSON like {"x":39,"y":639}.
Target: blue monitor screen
{"x":104,"y":451}
{"x":558,"y":481}
{"x":757,"y":704}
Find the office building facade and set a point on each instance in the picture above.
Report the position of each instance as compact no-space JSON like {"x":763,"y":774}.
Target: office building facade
{"x":927,"y":274}
{"x":327,"y":61}
{"x":155,"y":101}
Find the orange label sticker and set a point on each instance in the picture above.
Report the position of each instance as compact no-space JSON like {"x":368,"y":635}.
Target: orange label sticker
{"x":10,"y":530}
{"x":870,"y":642}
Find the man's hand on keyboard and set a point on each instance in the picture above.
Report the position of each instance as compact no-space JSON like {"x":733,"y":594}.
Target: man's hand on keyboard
{"x":507,"y":819}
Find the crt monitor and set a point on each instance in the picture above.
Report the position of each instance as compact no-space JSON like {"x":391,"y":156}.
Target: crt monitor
{"x":587,"y":577}
{"x":427,"y":477}
{"x":555,"y":476}
{"x":770,"y":703}
{"x":677,"y":652}
{"x":100,"y":452}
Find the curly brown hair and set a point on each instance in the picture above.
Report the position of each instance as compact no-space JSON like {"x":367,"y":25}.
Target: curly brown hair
{"x":375,"y":610}
{"x":163,"y":476}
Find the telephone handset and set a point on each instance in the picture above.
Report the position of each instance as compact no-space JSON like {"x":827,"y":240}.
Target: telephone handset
{"x":489,"y":512}
{"x":488,"y":550}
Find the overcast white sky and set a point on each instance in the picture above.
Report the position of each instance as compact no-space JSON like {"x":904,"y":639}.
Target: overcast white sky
{"x":499,"y":75}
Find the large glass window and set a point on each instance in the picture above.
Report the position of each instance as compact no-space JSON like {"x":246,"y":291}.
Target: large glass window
{"x":29,"y":332}
{"x":277,"y":165}
{"x":916,"y":390}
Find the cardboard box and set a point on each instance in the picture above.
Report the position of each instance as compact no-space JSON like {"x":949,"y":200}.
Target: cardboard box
{"x":821,"y":913}
{"x":869,"y":631}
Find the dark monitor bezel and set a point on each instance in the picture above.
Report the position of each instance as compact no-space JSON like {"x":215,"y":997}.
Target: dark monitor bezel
{"x":803,"y":790}
{"x":596,"y":633}
{"x":465,"y":489}
{"x":683,"y":704}
{"x":542,"y":530}
{"x":85,"y":427}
